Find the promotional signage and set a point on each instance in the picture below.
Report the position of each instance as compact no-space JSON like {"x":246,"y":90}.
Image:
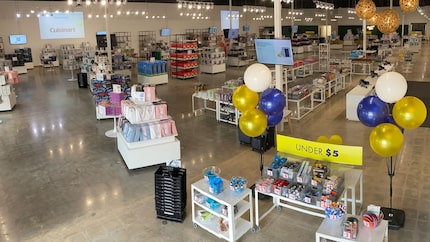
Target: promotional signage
{"x":342,"y":154}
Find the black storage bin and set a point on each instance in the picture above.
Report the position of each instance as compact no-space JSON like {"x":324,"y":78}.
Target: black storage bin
{"x":265,"y":141}
{"x":82,"y":80}
{"x":170,"y":193}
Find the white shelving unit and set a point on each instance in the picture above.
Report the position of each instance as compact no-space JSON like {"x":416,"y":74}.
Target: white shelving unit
{"x":212,"y":60}
{"x":238,"y":224}
{"x":7,"y":94}
{"x":324,"y":56}
{"x":302,"y":106}
{"x":148,"y":153}
{"x":226,"y":112}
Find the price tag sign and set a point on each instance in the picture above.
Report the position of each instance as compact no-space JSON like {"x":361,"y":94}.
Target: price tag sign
{"x":269,"y":172}
{"x":308,"y":200}
{"x":277,"y":191}
{"x":300,"y":179}
{"x":292,"y":196}
{"x":314,"y":183}
{"x":285,"y":175}
{"x":330,"y":186}
{"x":343,"y":154}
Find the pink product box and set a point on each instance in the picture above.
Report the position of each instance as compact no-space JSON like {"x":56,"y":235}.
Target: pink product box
{"x":116,"y":97}
{"x":113,"y":109}
{"x":149,"y":93}
{"x":161,"y":111}
{"x":155,"y":129}
{"x":13,"y":77}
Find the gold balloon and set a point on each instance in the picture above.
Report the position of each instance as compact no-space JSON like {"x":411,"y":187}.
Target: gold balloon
{"x":253,"y":122}
{"x":365,"y":9}
{"x":244,"y":98}
{"x":409,"y":112}
{"x":336,"y":139}
{"x":389,"y":21}
{"x":373,"y":20}
{"x":408,"y":5}
{"x":322,"y":139}
{"x":386,"y":139}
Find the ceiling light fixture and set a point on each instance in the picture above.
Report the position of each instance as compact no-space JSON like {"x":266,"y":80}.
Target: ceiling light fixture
{"x":323,"y":5}
{"x":254,"y":9}
{"x":195,"y":5}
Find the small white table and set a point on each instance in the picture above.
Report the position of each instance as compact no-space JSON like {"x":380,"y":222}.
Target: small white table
{"x":332,"y":230}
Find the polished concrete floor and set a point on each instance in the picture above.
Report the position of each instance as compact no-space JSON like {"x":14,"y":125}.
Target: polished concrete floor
{"x":62,"y":179}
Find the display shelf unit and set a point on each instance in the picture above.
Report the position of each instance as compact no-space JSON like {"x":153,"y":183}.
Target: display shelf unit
{"x":302,"y":106}
{"x":212,"y":60}
{"x":146,"y":44}
{"x":237,"y":55}
{"x":71,"y":57}
{"x":184,"y":57}
{"x":7,"y":93}
{"x":155,"y":150}
{"x":361,"y":66}
{"x":238,"y":222}
{"x":27,"y":57}
{"x":153,"y":80}
{"x":48,"y":58}
{"x":305,"y":70}
{"x":226,"y":112}
{"x":123,"y":39}
{"x":324,"y":57}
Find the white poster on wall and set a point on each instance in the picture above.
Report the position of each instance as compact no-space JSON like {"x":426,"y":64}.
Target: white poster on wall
{"x":61,"y":25}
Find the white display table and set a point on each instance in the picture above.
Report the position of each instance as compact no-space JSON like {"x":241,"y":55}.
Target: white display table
{"x":153,"y":80}
{"x":7,"y":102}
{"x":150,"y":152}
{"x":212,"y":69}
{"x":332,"y":230}
{"x":354,"y":97}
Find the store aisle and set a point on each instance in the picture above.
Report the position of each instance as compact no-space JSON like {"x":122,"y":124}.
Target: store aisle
{"x":61,"y":179}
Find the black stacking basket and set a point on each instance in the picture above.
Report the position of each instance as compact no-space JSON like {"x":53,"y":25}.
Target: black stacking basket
{"x":170,"y":193}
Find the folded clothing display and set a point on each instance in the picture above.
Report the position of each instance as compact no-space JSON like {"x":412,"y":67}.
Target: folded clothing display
{"x":138,"y":113}
{"x":148,"y":131}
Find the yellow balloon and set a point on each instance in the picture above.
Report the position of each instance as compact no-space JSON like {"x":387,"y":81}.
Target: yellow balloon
{"x":253,"y":122}
{"x":386,"y":139}
{"x":336,"y":139}
{"x":409,"y":112}
{"x":244,"y":98}
{"x":322,"y":139}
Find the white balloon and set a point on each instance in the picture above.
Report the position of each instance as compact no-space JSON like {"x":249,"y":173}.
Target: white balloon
{"x":391,"y":87}
{"x":257,"y":77}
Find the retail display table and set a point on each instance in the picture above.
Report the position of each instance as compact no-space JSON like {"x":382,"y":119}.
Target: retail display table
{"x":357,"y":94}
{"x":332,"y":230}
{"x":353,"y":177}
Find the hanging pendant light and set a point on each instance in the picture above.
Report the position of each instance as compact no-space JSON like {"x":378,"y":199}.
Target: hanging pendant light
{"x":389,"y":21}
{"x":373,"y":20}
{"x":365,"y":9}
{"x":408,"y":5}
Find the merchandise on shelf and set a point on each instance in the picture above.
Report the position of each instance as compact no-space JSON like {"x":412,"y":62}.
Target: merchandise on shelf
{"x":148,"y":68}
{"x":299,"y":91}
{"x":302,"y":181}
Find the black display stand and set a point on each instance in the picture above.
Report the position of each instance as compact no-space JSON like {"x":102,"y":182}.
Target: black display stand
{"x":395,"y":217}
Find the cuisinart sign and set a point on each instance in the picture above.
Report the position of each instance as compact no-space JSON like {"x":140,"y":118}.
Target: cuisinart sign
{"x":62,"y":25}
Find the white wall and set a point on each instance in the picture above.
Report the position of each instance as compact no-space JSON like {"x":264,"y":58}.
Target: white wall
{"x":9,"y":24}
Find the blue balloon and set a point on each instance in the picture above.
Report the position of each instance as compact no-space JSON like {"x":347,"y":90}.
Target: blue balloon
{"x":272,"y":101}
{"x":372,"y":111}
{"x":274,"y":119}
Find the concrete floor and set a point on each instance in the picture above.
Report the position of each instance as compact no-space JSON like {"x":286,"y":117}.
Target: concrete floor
{"x":62,"y":179}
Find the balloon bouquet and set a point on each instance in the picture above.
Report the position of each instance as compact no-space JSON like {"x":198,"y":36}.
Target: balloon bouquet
{"x":258,"y":111}
{"x":386,"y":138}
